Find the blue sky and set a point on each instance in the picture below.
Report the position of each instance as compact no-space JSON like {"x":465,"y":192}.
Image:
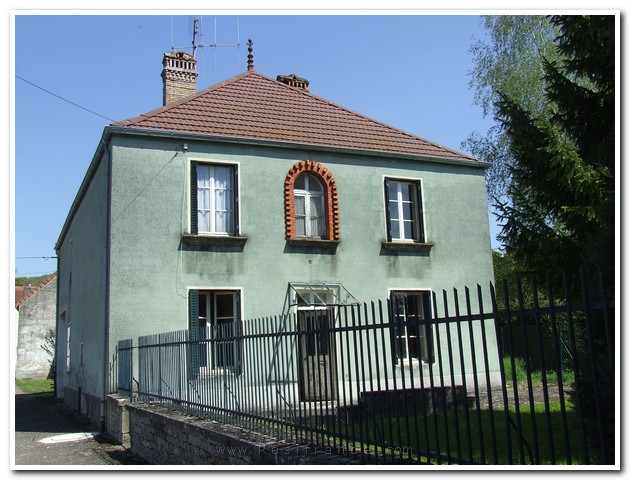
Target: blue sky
{"x":409,"y":71}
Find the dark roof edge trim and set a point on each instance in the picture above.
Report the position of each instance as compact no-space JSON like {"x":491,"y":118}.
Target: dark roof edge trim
{"x":294,"y":145}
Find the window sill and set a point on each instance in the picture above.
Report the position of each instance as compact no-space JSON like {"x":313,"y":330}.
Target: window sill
{"x":312,"y":242}
{"x":214,"y":240}
{"x":407,"y":246}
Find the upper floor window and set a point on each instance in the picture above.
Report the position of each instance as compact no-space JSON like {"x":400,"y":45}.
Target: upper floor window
{"x":404,"y":216}
{"x":311,"y":204}
{"x":214,"y":199}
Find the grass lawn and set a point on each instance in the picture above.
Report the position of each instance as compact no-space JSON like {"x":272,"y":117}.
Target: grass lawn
{"x":487,"y":437}
{"x":35,"y":386}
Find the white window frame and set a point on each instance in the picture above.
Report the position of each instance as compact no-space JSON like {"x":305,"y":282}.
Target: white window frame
{"x":418,"y":211}
{"x":307,"y":195}
{"x":236,"y":195}
{"x":430,"y":343}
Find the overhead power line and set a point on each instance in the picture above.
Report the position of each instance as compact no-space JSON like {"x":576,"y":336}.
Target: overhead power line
{"x":64,"y":99}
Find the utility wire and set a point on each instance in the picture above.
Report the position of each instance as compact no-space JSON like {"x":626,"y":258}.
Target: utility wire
{"x":65,"y":100}
{"x":37,"y":257}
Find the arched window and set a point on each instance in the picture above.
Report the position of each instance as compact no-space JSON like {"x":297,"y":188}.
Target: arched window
{"x":311,"y":206}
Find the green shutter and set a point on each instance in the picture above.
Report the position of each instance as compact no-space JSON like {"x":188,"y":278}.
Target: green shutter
{"x":193,"y":334}
{"x":237,"y":332}
{"x":387,"y":203}
{"x":193,"y":198}
{"x":236,"y":200}
{"x":419,"y":210}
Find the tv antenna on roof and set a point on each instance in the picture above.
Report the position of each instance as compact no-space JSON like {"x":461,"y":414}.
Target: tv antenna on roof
{"x":198,"y":29}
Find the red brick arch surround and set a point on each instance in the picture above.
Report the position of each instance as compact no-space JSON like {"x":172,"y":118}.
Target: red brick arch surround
{"x":332,"y":218}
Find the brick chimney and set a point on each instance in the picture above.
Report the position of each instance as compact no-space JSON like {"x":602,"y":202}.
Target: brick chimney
{"x":179,"y":76}
{"x":294,"y":81}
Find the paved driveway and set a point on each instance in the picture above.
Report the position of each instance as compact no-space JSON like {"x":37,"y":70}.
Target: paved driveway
{"x":48,"y":433}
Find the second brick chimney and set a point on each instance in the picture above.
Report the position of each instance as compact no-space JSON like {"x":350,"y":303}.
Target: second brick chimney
{"x":294,"y":81}
{"x":179,"y":76}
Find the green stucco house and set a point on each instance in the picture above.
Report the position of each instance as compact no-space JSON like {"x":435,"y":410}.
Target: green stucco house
{"x":242,"y":198}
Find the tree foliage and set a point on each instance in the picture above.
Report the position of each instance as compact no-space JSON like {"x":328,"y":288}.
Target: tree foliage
{"x":560,"y":206}
{"x":560,"y":210}
{"x":508,"y":62}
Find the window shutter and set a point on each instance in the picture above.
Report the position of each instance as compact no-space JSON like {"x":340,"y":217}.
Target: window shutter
{"x":419,"y":210}
{"x":193,"y":197}
{"x":387,"y":203}
{"x":393,"y":328}
{"x":236,"y":202}
{"x":193,"y":334}
{"x":237,"y":332}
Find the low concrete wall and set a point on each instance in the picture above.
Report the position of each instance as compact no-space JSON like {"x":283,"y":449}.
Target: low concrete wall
{"x":163,"y":436}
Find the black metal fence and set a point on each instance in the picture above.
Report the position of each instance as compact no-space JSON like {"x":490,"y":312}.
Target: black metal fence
{"x":443,"y":379}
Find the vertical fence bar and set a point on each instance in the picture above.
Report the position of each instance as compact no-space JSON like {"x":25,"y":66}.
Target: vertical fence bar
{"x":342,"y":405}
{"x":475,"y":374}
{"x":501,"y":353}
{"x":522,"y":321}
{"x":463,"y":372}
{"x":443,"y":390}
{"x":520,"y":436}
{"x":366,"y":338}
{"x":593,"y":367}
{"x":452,"y":379}
{"x":604,"y":301}
{"x":575,"y":365}
{"x":409,"y":322}
{"x":559,"y":369}
{"x":359,"y":383}
{"x":544,"y":378}
{"x":250,"y":370}
{"x":378,"y":425}
{"x":487,"y":369}
{"x":428,"y":325}
{"x":386,"y":362}
{"x":394,"y":327}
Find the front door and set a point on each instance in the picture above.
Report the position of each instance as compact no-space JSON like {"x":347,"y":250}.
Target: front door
{"x":317,"y":371}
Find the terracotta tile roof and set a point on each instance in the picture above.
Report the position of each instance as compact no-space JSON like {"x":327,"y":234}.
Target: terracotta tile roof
{"x":23,"y":297}
{"x":254,"y":107}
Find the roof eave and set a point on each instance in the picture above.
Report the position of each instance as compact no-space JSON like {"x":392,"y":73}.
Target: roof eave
{"x":293,"y":145}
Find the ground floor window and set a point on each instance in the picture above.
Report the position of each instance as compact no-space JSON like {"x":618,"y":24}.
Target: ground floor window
{"x":412,"y":331}
{"x":215,"y":321}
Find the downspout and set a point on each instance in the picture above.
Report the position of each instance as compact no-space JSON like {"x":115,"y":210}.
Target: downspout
{"x":106,"y":340}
